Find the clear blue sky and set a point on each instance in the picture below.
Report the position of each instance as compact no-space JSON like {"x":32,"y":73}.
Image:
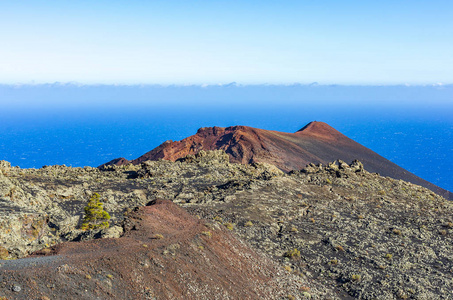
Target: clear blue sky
{"x":250,"y":42}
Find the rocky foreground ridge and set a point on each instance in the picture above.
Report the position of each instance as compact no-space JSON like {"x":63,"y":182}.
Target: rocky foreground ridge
{"x":317,"y":142}
{"x":331,"y":231}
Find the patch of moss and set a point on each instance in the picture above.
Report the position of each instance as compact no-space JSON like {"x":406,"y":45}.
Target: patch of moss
{"x":4,"y":254}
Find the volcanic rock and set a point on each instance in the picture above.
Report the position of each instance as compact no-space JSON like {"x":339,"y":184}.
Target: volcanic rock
{"x":190,"y":259}
{"x":338,"y":231}
{"x":315,"y":143}
{"x":115,"y":162}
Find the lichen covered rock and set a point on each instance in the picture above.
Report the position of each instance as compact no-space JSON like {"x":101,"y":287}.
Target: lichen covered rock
{"x":356,"y":234}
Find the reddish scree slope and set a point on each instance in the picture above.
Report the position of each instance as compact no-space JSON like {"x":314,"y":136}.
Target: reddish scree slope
{"x":189,"y":261}
{"x":317,"y":142}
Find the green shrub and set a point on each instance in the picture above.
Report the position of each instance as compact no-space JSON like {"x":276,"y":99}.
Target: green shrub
{"x":355,"y":277}
{"x":248,"y":224}
{"x":292,"y":253}
{"x":207,"y":233}
{"x":158,"y":236}
{"x":95,"y":215}
{"x":230,"y":226}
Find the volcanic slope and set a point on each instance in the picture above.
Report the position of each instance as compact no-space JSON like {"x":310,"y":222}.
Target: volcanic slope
{"x":317,"y":142}
{"x":338,"y":230}
{"x":165,"y":253}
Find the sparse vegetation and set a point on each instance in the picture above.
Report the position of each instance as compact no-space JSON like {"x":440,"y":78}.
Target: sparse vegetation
{"x":292,"y":253}
{"x":95,"y":215}
{"x":3,"y":254}
{"x":248,"y":224}
{"x":207,"y":233}
{"x":230,"y":226}
{"x":355,"y":277}
{"x":342,"y":230}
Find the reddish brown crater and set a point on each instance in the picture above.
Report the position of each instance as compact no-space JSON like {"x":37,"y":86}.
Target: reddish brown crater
{"x":317,"y":142}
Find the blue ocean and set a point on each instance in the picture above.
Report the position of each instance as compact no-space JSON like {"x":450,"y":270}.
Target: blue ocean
{"x":80,"y":125}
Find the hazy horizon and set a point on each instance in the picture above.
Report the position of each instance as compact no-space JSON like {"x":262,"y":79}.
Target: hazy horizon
{"x":210,"y":42}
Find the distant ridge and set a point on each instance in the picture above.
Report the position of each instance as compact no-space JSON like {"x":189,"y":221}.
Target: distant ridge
{"x":317,"y":142}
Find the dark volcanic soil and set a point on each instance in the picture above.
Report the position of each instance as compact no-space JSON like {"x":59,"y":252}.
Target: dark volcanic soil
{"x":165,"y":253}
{"x":317,"y":142}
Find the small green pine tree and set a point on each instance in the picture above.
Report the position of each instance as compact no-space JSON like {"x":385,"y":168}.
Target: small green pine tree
{"x":95,"y":215}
